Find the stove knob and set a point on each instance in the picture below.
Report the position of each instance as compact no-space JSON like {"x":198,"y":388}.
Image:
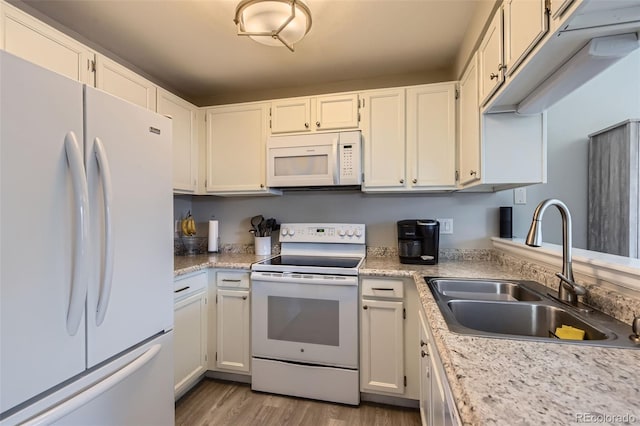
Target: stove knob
{"x":292,"y":232}
{"x":341,"y":232}
{"x":350,"y":232}
{"x":284,"y":231}
{"x":358,"y":233}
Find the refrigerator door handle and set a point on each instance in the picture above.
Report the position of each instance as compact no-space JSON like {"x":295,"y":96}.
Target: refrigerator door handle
{"x":86,"y":396}
{"x":81,"y":207}
{"x":107,"y":278}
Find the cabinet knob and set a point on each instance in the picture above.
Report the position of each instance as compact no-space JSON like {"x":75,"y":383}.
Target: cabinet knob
{"x":473,"y":172}
{"x":365,"y":307}
{"x":401,"y":180}
{"x":415,"y":181}
{"x":306,"y":125}
{"x":501,"y":67}
{"x":422,"y":343}
{"x":244,"y":297}
{"x":317,"y":124}
{"x":493,"y":75}
{"x":262,"y":185}
{"x":423,"y":354}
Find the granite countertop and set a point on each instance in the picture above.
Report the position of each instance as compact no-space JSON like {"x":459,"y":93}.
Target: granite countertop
{"x":517,"y":382}
{"x":502,"y":381}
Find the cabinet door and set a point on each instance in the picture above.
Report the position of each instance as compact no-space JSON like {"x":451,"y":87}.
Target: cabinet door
{"x":337,"y":112}
{"x":236,"y":148}
{"x":525,"y":23}
{"x":382,"y":346}
{"x":30,"y":39}
{"x":119,"y":81}
{"x":189,"y":340}
{"x":425,"y":374}
{"x":469,"y":126}
{"x":233,"y":330}
{"x":383,"y":132}
{"x":431,"y":136}
{"x":490,"y":54}
{"x":291,"y":115}
{"x":185,"y":141}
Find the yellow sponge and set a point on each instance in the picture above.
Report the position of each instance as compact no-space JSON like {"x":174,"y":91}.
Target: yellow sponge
{"x":569,"y":333}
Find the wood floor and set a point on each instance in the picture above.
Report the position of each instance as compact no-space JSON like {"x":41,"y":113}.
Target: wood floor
{"x":214,"y":402}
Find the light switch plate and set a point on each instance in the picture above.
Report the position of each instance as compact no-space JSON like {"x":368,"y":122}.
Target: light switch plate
{"x":520,"y":196}
{"x":446,"y":226}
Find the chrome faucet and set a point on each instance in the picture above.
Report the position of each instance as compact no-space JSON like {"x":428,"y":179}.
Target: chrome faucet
{"x":569,"y":290}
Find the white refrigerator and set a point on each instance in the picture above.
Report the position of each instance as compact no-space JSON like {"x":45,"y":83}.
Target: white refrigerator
{"x":86,"y":250}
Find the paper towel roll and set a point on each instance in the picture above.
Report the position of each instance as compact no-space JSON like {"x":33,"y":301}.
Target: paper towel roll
{"x":213,"y":235}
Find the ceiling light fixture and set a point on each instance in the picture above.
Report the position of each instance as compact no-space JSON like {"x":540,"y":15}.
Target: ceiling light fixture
{"x":273,"y":22}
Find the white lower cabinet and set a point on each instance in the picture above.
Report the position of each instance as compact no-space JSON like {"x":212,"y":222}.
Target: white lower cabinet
{"x":388,"y":322}
{"x":190,"y":330}
{"x":437,"y":406}
{"x":233,"y":336}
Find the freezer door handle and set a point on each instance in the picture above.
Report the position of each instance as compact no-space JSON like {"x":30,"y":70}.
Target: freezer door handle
{"x":107,"y":191}
{"x":89,"y":394}
{"x":81,"y":207}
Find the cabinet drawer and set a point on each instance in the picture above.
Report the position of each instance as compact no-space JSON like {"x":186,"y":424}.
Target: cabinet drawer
{"x":388,"y":288}
{"x":232,"y":279}
{"x":189,"y":284}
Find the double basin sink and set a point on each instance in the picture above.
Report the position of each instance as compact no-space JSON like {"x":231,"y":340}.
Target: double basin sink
{"x":515,"y":309}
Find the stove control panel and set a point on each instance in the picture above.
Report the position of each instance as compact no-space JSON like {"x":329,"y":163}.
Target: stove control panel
{"x":353,"y":233}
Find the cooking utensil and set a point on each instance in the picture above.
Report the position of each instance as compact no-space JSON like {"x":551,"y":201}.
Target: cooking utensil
{"x":270,"y":225}
{"x":256,"y":221}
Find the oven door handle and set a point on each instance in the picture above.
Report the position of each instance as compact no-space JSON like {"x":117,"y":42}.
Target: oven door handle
{"x":292,"y":278}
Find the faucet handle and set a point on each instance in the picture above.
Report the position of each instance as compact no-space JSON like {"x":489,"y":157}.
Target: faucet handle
{"x":571,"y":285}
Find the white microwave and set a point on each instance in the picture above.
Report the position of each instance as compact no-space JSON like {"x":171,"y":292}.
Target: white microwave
{"x":319,"y":159}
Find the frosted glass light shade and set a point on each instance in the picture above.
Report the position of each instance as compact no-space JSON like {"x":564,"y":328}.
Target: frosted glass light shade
{"x":273,"y":22}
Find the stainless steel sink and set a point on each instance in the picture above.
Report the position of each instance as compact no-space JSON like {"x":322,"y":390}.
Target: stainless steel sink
{"x":521,"y":319}
{"x":483,"y":290}
{"x":518,"y":309}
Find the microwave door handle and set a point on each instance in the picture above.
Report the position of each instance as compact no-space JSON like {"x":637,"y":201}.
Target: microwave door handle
{"x":336,"y":160}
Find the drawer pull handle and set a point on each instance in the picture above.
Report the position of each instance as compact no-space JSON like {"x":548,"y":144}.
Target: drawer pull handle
{"x":422,"y":343}
{"x":226,"y":280}
{"x":365,"y":307}
{"x":182,"y":289}
{"x":244,"y":297}
{"x":381,"y":288}
{"x":423,"y":354}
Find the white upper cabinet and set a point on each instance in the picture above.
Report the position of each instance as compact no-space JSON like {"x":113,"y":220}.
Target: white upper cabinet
{"x":491,"y":59}
{"x":431,"y":136}
{"x":121,"y":82}
{"x":525,"y":23}
{"x":558,"y":7}
{"x":383,"y":134}
{"x":30,"y":39}
{"x":236,"y":149}
{"x":330,"y":112}
{"x":469,"y":126}
{"x":291,"y":115}
{"x":185,"y":140}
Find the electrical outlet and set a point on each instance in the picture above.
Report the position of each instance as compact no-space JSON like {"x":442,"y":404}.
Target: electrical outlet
{"x":446,"y":226}
{"x":520,"y":196}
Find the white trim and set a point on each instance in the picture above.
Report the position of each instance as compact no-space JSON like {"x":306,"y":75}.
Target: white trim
{"x":617,"y":270}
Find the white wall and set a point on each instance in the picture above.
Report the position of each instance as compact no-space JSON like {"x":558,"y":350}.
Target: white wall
{"x":475,"y":215}
{"x":609,"y":98}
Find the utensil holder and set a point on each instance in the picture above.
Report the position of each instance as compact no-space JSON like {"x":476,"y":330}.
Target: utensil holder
{"x":263,"y":246}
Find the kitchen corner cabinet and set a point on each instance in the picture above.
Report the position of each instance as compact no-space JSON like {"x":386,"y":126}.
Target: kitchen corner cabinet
{"x":233,"y":337}
{"x":27,"y":37}
{"x":525,"y":23}
{"x":330,"y":112}
{"x":236,"y":149}
{"x":121,"y":82}
{"x":184,"y":139}
{"x":469,"y":126}
{"x":431,"y":136}
{"x":490,"y":54}
{"x":388,"y":318}
{"x":437,"y":406}
{"x":190,"y":330}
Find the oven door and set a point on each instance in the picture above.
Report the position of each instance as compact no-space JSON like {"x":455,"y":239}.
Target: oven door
{"x":315,"y":165}
{"x":305,"y":318}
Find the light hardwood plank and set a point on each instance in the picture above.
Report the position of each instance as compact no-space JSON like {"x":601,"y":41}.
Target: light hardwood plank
{"x":214,"y":402}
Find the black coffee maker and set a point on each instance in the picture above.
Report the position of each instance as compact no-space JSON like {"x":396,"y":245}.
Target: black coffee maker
{"x":418,"y":241}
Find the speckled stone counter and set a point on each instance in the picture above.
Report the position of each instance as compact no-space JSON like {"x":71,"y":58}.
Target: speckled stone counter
{"x":515,"y":382}
{"x":186,"y":264}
